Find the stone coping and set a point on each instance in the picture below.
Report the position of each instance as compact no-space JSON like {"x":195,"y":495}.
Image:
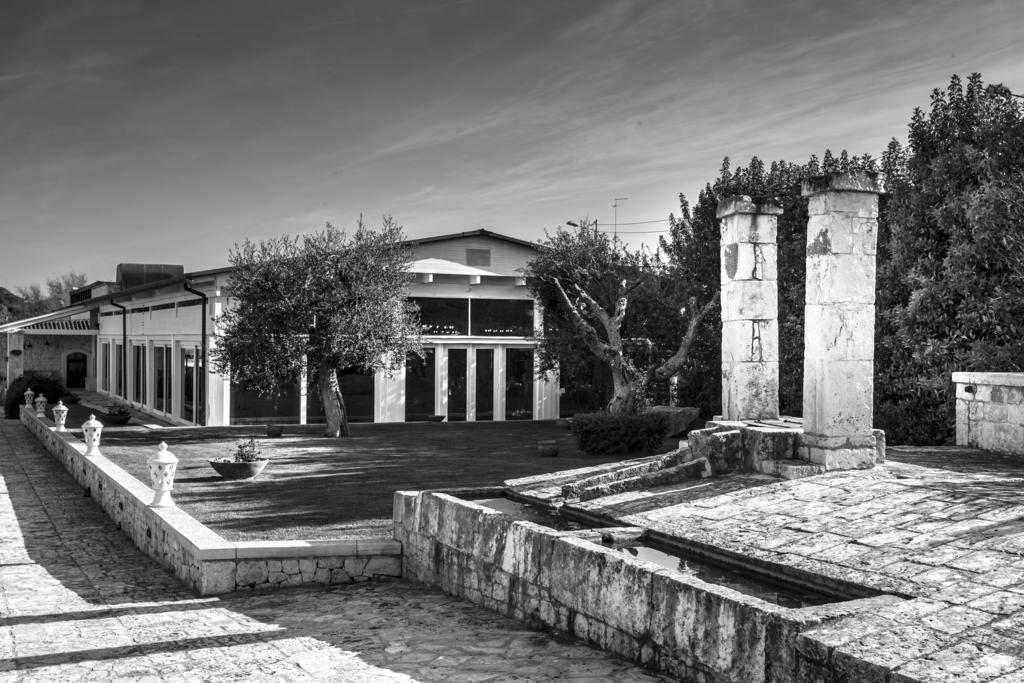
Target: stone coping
{"x":1005,"y":379}
{"x":202,"y":542}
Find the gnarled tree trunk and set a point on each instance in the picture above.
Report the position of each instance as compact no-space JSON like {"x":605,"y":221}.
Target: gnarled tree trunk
{"x":332,"y":400}
{"x":623,"y":401}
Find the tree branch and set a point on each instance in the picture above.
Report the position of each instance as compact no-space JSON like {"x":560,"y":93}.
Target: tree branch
{"x":672,"y":366}
{"x":586,"y":330}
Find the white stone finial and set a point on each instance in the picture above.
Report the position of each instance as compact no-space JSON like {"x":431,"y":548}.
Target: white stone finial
{"x":40,"y":406}
{"x":91,"y":430}
{"x":161,"y":473}
{"x":60,"y":415}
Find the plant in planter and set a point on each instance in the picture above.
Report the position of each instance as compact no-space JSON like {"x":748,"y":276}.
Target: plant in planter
{"x":246,"y":463}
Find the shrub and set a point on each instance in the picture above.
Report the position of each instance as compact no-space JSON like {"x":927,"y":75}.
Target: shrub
{"x":248,"y":451}
{"x":49,"y":387}
{"x":603,"y":433}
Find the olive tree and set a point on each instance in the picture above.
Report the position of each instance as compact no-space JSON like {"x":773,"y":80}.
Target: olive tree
{"x":304,"y":308}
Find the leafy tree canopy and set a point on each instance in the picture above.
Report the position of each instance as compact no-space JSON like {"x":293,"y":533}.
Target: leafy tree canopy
{"x":950,"y":295}
{"x":606,"y":303}
{"x":303,"y":308}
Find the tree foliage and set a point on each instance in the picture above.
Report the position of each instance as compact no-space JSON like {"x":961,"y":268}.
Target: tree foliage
{"x":606,"y":303}
{"x":693,"y":246}
{"x":303,"y":308}
{"x":30,"y":301}
{"x":950,"y":294}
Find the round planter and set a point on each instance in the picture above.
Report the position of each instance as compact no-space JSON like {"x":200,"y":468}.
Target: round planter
{"x":116,"y":420}
{"x":547,"y":449}
{"x":275,"y":431}
{"x":229,"y":469}
{"x":435,"y":418}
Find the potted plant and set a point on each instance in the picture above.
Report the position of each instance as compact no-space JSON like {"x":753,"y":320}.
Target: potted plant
{"x":117,"y":415}
{"x":246,"y":463}
{"x":275,"y":431}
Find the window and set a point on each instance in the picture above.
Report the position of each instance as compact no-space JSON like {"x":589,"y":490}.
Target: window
{"x":502,"y":318}
{"x":478,"y":257}
{"x":478,"y":317}
{"x":139,"y":374}
{"x":162,"y":379}
{"x":443,"y":316}
{"x":104,"y":369}
{"x":119,"y":362}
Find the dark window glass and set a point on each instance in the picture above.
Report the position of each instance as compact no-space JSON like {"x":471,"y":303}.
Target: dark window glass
{"x":419,"y":386}
{"x":519,"y":384}
{"x":502,"y":318}
{"x":159,"y":380}
{"x":443,"y":316}
{"x":104,"y":369}
{"x":119,"y":368}
{"x":188,"y":385}
{"x":139,"y":374}
{"x":248,"y":407}
{"x":485,"y":384}
{"x":457,"y":385}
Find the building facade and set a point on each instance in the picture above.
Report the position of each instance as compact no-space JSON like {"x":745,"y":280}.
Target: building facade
{"x":151,"y":333}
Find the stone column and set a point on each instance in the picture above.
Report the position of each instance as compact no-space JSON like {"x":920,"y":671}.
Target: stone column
{"x":750,"y":309}
{"x":839,"y":320}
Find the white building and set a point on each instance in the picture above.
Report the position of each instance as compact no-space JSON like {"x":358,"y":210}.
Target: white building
{"x":152,"y":331}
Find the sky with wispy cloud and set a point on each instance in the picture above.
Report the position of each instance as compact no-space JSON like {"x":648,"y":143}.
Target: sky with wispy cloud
{"x":135,"y":131}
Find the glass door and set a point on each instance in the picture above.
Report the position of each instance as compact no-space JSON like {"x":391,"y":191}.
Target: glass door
{"x":188,"y":385}
{"x":458,"y":370}
{"x":484,"y":384}
{"x":519,"y":384}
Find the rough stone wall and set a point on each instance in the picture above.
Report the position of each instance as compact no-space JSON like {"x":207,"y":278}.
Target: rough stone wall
{"x":990,"y":410}
{"x":750,"y":309}
{"x":663,"y":619}
{"x":198,"y":556}
{"x":839,"y":320}
{"x":48,"y":355}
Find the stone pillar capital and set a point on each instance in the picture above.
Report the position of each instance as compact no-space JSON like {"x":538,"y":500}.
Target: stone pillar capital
{"x":852,"y":181}
{"x":741,"y":203}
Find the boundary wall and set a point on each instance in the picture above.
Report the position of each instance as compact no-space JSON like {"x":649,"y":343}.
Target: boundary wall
{"x":196,"y":554}
{"x":661,"y":618}
{"x":990,"y":410}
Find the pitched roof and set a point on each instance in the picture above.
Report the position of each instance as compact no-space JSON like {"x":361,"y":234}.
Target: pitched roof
{"x":472,"y":233}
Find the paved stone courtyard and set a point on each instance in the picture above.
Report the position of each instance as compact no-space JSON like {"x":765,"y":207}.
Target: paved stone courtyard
{"x":942,"y":526}
{"x":79,"y":602}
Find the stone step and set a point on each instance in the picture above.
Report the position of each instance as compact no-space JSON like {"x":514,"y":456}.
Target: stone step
{"x":797,"y":469}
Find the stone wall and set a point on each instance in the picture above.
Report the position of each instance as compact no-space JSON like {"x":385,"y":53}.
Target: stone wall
{"x":990,"y":410}
{"x":664,"y":619}
{"x":197,"y":555}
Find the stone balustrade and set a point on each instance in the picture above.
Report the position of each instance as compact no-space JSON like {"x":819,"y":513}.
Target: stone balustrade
{"x":196,"y":554}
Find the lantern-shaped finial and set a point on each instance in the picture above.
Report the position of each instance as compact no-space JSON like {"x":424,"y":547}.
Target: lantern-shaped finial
{"x":60,"y":415}
{"x":161,"y":473}
{"x":40,"y":406}
{"x":91,"y":430}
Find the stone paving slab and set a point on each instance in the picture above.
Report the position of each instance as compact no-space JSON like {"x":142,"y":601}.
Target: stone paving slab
{"x":79,"y":602}
{"x":951,"y":540}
